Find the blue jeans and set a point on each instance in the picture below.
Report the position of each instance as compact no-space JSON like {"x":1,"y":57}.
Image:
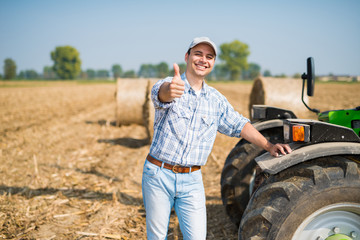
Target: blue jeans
{"x":163,"y":189}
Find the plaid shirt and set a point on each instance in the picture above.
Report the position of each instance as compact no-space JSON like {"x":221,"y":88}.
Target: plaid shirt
{"x":185,"y":129}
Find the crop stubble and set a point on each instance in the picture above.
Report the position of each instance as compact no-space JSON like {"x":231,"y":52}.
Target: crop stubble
{"x":67,"y":172}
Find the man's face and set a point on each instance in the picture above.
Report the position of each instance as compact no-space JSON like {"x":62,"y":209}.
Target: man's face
{"x":201,"y":60}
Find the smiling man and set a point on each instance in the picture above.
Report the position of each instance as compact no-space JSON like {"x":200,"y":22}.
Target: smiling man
{"x":188,"y":114}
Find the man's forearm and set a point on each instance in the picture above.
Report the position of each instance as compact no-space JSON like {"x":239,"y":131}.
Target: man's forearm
{"x":254,"y":136}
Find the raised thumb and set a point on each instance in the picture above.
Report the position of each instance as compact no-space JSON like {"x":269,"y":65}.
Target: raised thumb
{"x":176,"y":70}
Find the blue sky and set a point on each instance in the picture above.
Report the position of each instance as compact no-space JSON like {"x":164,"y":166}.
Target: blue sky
{"x":281,"y":34}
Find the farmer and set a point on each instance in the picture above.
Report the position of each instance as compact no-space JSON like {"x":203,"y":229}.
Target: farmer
{"x":188,"y":114}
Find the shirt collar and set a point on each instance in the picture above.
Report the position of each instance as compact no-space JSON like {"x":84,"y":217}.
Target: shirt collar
{"x":204,"y":89}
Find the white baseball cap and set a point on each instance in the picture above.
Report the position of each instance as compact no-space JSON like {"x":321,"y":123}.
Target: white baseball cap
{"x":206,"y":40}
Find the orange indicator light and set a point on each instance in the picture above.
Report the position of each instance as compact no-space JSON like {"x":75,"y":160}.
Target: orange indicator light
{"x":298,"y":133}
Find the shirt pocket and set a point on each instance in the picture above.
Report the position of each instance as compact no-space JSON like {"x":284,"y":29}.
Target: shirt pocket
{"x":208,"y":128}
{"x":179,"y":121}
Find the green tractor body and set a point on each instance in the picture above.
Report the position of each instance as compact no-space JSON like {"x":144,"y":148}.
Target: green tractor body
{"x":348,"y":118}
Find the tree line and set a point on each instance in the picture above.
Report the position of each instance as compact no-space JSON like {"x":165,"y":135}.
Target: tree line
{"x":232,"y":65}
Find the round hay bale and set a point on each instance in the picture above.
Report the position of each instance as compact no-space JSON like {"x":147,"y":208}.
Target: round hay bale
{"x":130,"y":100}
{"x":149,"y":110}
{"x":278,"y":92}
{"x":134,"y":105}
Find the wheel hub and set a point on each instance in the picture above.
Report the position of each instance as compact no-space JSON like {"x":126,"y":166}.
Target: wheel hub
{"x":339,"y":237}
{"x":334,"y":222}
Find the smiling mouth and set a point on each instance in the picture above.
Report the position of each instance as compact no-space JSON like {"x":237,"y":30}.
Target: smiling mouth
{"x":202,"y":67}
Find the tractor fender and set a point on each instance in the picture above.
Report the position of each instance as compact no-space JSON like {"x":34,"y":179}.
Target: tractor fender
{"x":273,"y":165}
{"x":260,"y":126}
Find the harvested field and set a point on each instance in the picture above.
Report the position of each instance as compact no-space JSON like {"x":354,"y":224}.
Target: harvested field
{"x":67,"y":172}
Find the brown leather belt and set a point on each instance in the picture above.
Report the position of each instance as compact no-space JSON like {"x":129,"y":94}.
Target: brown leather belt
{"x":174,"y":168}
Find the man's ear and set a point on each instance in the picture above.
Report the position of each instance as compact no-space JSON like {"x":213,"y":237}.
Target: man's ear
{"x":186,"y":57}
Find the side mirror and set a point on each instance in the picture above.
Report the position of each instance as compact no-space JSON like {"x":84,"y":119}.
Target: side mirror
{"x":310,"y":76}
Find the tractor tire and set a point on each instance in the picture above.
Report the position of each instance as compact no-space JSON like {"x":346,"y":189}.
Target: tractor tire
{"x":237,"y":173}
{"x":319,"y":199}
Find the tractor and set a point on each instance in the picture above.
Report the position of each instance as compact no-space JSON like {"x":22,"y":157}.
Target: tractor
{"x":312,"y":193}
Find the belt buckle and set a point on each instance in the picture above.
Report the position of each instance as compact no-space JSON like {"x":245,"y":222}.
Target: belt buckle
{"x":173,"y":168}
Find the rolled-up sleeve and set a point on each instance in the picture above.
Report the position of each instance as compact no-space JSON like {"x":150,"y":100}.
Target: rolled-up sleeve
{"x":231,"y":122}
{"x":155,"y":94}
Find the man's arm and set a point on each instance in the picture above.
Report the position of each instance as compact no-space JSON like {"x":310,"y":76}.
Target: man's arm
{"x":174,"y":89}
{"x":254,"y":136}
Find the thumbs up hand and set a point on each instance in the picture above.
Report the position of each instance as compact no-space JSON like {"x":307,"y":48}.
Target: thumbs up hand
{"x":175,"y":89}
{"x":177,"y":86}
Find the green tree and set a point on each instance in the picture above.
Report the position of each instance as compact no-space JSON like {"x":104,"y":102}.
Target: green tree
{"x":48,"y":73}
{"x":31,"y":74}
{"x":129,"y":74}
{"x":221,"y":71}
{"x":235,"y":55}
{"x":116,"y":70}
{"x":67,"y":63}
{"x":21,"y":75}
{"x":28,"y":74}
{"x":162,"y":69}
{"x":9,"y":69}
{"x":147,"y":71}
{"x":102,"y":73}
{"x":83,"y":75}
{"x":267,"y":73}
{"x":91,"y":74}
{"x":252,"y":72}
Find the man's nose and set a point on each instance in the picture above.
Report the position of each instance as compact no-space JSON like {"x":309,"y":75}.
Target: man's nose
{"x":203,"y":59}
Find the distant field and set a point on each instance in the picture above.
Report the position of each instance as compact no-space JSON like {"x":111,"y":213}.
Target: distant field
{"x":44,"y":83}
